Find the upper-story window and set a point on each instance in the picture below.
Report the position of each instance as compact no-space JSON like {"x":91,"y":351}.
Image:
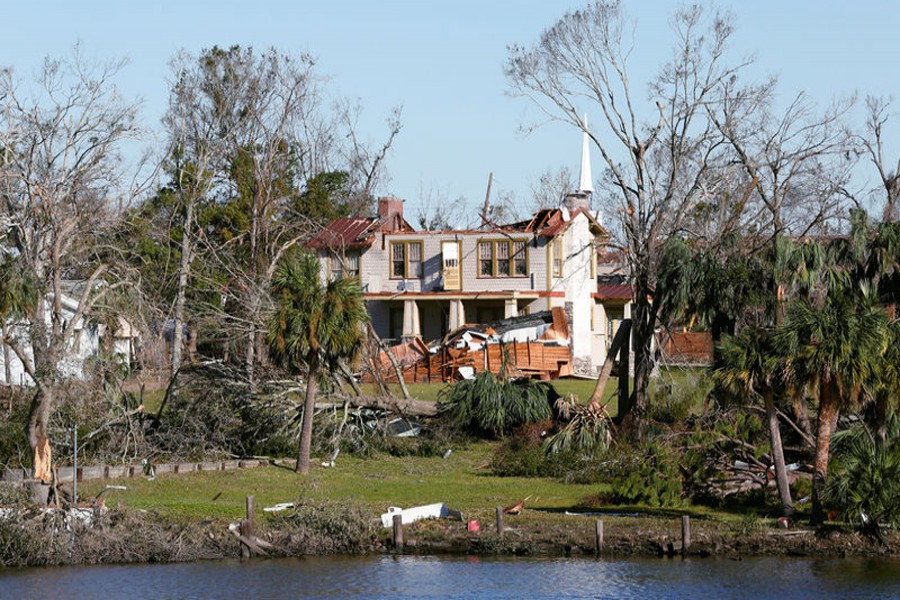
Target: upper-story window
{"x":556,"y":250}
{"x":503,"y":258}
{"x":406,"y":260}
{"x":345,"y":266}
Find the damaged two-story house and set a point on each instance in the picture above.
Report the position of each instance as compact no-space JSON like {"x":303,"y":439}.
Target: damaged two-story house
{"x":424,"y":284}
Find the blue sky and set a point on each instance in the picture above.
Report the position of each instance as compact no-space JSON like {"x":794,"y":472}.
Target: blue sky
{"x":442,"y":61}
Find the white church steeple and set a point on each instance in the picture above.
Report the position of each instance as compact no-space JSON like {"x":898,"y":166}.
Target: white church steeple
{"x":581,"y":198}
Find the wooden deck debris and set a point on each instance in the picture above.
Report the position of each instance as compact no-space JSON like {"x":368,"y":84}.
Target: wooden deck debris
{"x":469,"y":351}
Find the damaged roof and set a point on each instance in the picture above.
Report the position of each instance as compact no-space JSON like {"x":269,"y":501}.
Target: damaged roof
{"x":544,"y":317}
{"x":551,"y":222}
{"x":613,"y":291}
{"x":357,"y":232}
{"x":346,"y":232}
{"x":546,"y":325}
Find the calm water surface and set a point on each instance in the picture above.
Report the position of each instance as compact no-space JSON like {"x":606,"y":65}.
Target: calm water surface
{"x":465,"y":577}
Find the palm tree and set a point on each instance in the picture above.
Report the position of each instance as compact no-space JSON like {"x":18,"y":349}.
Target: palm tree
{"x":886,"y":385}
{"x":749,"y":363}
{"x":835,"y":343}
{"x":314,"y":325}
{"x":884,"y":263}
{"x":713,"y":285}
{"x":865,"y":483}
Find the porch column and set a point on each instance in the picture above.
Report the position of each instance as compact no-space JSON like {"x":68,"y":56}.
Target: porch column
{"x":511,"y":309}
{"x":457,"y":317}
{"x":411,"y":320}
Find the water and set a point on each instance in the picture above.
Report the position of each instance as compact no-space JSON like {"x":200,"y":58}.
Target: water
{"x":465,"y":577}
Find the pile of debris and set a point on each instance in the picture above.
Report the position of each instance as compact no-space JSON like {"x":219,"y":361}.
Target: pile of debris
{"x":535,"y":345}
{"x":745,"y":473}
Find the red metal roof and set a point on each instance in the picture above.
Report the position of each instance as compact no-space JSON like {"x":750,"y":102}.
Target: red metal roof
{"x":613,"y":291}
{"x":347,"y":232}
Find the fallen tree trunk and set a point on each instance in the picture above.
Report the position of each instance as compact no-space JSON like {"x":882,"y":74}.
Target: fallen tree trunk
{"x":402,"y":406}
{"x":619,"y":341}
{"x":380,"y":343}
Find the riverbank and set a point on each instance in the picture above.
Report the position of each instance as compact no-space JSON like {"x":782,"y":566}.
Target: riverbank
{"x":186,"y":516}
{"x":125,"y":535}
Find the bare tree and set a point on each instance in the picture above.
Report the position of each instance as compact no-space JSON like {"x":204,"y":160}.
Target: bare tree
{"x":193,"y":152}
{"x":659,"y":158}
{"x":436,"y":211}
{"x":799,"y":159}
{"x":551,"y":188}
{"x":365,"y":163}
{"x":60,"y":169}
{"x":877,"y":114}
{"x":263,"y":128}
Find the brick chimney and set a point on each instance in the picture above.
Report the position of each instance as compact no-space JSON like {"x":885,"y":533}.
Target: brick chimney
{"x":390,"y":212}
{"x":577,"y":200}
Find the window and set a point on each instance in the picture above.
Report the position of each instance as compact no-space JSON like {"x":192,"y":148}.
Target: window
{"x":520,"y":259}
{"x":503,"y":258}
{"x":345,"y":267}
{"x":557,"y":252}
{"x":485,"y":259}
{"x":406,"y":260}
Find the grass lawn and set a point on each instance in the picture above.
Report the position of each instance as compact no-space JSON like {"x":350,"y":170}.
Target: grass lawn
{"x":461,"y":481}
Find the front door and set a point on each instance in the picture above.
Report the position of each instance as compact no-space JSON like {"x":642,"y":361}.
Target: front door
{"x":450,"y":269}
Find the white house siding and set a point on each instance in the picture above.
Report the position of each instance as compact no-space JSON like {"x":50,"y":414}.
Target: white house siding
{"x":17,"y":375}
{"x":375,"y":271}
{"x":375,"y":264}
{"x":578,"y":288}
{"x":86,"y":343}
{"x":599,"y":338}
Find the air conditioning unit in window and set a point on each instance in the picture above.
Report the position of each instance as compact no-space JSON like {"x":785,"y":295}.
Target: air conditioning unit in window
{"x":370,"y":283}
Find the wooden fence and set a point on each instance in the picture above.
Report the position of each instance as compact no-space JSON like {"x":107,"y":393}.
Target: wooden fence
{"x":65,"y":474}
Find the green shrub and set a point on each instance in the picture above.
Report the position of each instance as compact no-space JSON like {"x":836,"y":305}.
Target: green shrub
{"x":747,"y":524}
{"x":423,"y":446}
{"x":14,"y":449}
{"x":13,"y":493}
{"x":676,"y":395}
{"x":494,"y":405}
{"x":654,"y":481}
{"x":523,"y":454}
{"x":801,"y":488}
{"x":671,"y":408}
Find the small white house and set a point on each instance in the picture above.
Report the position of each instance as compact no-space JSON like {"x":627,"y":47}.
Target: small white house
{"x":86,"y":342}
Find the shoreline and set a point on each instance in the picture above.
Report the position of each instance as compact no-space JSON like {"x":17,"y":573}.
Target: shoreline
{"x":135,"y":536}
